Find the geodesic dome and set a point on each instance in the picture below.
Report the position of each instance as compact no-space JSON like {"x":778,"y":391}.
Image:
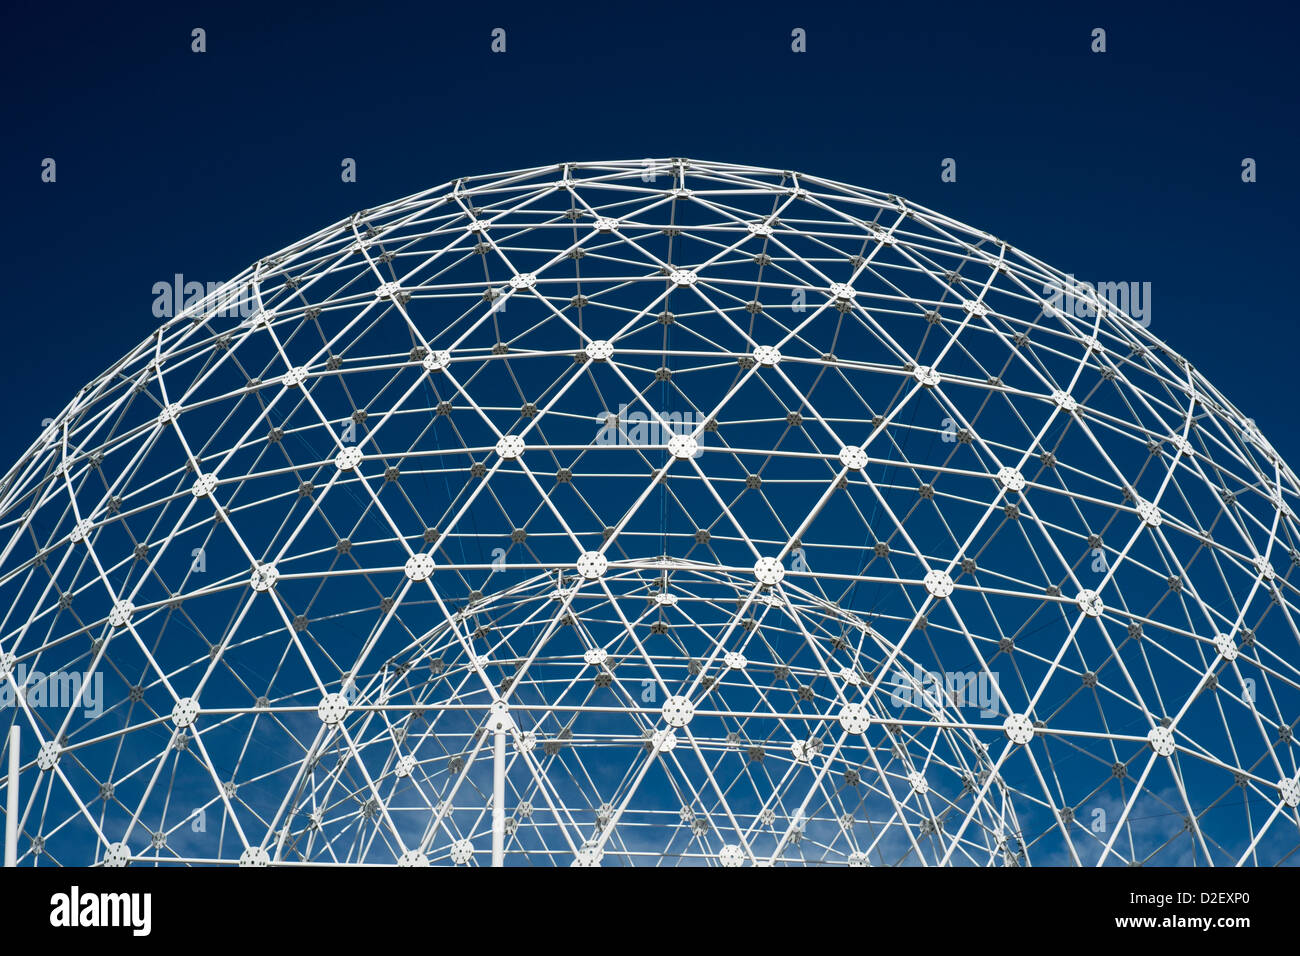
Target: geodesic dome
{"x":660,"y":512}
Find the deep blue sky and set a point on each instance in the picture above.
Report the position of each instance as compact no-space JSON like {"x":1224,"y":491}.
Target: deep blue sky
{"x":1123,"y":166}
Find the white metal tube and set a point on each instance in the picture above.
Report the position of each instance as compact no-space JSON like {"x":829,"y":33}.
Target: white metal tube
{"x":499,"y":797}
{"x":11,"y":804}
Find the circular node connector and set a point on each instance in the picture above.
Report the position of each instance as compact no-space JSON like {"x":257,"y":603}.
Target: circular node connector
{"x":1149,"y":514}
{"x":678,"y":711}
{"x":666,"y":599}
{"x":413,"y":858}
{"x":858,"y":858}
{"x":510,"y":447}
{"x":767,"y":355}
{"x":592,"y":564}
{"x":332,"y":709}
{"x":916,"y":780}
{"x":436,"y":361}
{"x":731,"y":855}
{"x":1011,"y":479}
{"x":601,"y":350}
{"x":48,"y":755}
{"x":759,"y":229}
{"x":7,"y":663}
{"x":735,"y":660}
{"x":681,"y":192}
{"x":388,"y":290}
{"x":938,"y":583}
{"x":683,"y":278}
{"x":769,"y":571}
{"x":1019,"y":729}
{"x":261,"y":319}
{"x":169,"y":414}
{"x":120,"y":616}
{"x":1290,"y":791}
{"x":683,"y":447}
{"x":588,"y":855}
{"x":850,"y":676}
{"x":204,"y":485}
{"x":664,"y":741}
{"x":1263,"y":568}
{"x":1280,"y":503}
{"x":596,"y":656}
{"x":405,"y":764}
{"x":348,"y":458}
{"x":255,"y":856}
{"x":185,"y":712}
{"x":842,"y":292}
{"x":1064,"y":401}
{"x":1226,"y":646}
{"x":854,"y":718}
{"x":419,"y":567}
{"x":499,"y":719}
{"x":975,"y":308}
{"x":462,"y":851}
{"x":1090,"y":603}
{"x":264,"y":577}
{"x":606,"y":225}
{"x":526,"y":742}
{"x":1181,"y":445}
{"x":1162,"y":741}
{"x":117,"y":855}
{"x":853,"y":457}
{"x":82,"y":530}
{"x":525,"y":280}
{"x":294,"y":377}
{"x":927,"y":375}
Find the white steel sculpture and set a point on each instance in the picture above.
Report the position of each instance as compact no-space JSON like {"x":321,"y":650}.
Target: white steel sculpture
{"x":660,"y":512}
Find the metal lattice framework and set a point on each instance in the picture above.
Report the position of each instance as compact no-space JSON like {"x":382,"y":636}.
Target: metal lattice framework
{"x":652,"y":512}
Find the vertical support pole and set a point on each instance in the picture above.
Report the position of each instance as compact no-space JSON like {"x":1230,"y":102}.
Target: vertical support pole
{"x":499,"y":795}
{"x":11,"y":794}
